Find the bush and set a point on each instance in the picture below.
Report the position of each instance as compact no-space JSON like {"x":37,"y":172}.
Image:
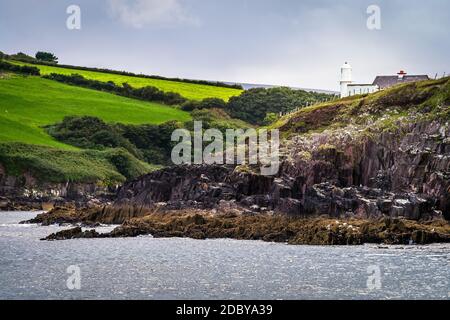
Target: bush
{"x":47,"y":164}
{"x":210,"y":103}
{"x":90,"y":133}
{"x":215,"y":118}
{"x":145,"y":93}
{"x":190,"y":105}
{"x":151,"y":143}
{"x":253,"y":105}
{"x":20,"y":56}
{"x":5,"y":66}
{"x":23,"y":57}
{"x":270,"y":118}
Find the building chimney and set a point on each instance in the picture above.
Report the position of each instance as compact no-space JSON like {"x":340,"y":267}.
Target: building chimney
{"x":401,"y":74}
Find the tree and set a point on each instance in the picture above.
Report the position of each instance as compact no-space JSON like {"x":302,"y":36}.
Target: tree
{"x":210,"y":103}
{"x":253,"y":105}
{"x":190,"y":105}
{"x":46,"y":56}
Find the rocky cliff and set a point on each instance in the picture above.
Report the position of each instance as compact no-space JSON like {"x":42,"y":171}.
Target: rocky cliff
{"x":24,"y":192}
{"x":384,"y":154}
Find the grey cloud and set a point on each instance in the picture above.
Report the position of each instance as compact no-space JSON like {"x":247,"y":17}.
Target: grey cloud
{"x":140,"y":13}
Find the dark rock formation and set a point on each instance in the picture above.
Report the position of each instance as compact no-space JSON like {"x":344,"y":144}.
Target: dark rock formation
{"x":404,"y":173}
{"x":198,"y":224}
{"x":26,"y":193}
{"x":74,"y":233}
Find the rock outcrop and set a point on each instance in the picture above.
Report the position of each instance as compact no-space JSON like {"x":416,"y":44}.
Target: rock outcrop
{"x":399,"y":173}
{"x":74,"y":233}
{"x":201,"y":224}
{"x":25,"y":193}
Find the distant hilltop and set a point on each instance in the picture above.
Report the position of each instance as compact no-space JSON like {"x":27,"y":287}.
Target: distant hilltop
{"x":248,"y":86}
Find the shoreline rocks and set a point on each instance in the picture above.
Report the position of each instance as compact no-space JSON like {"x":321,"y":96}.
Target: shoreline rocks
{"x":201,"y":224}
{"x":25,"y":193}
{"x":74,"y":233}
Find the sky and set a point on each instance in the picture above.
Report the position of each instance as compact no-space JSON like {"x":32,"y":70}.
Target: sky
{"x":279,"y":42}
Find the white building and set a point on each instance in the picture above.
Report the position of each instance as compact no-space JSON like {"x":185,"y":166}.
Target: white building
{"x":348,"y":88}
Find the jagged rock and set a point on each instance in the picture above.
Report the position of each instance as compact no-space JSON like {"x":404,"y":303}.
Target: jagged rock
{"x":401,"y":173}
{"x":290,"y":206}
{"x":25,"y":193}
{"x":74,"y":233}
{"x":384,"y":205}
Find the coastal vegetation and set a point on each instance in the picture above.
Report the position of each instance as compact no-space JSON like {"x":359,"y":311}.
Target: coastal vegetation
{"x":383,"y":110}
{"x":52,"y":165}
{"x":148,"y":142}
{"x":192,"y":90}
{"x":29,"y":103}
{"x":255,"y":104}
{"x":144,"y":93}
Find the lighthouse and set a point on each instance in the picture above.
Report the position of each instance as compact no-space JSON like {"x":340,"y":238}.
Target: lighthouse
{"x":346,"y":79}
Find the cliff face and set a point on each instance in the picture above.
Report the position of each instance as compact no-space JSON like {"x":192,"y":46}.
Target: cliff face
{"x":386,"y":154}
{"x":24,"y":192}
{"x":397,"y":174}
{"x":404,"y":172}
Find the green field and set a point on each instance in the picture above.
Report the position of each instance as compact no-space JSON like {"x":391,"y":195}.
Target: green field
{"x":188,"y":90}
{"x":28,"y":103}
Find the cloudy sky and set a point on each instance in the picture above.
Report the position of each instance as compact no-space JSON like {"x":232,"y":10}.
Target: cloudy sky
{"x":298,"y":43}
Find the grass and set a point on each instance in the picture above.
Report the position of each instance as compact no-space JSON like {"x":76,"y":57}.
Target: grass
{"x":188,"y":90}
{"x":28,"y":103}
{"x":49,"y":164}
{"x":382,"y":110}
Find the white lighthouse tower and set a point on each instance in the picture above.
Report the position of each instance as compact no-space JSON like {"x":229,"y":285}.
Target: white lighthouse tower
{"x":346,"y":79}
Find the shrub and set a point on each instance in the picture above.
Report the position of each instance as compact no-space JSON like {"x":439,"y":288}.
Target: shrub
{"x":5,"y":66}
{"x":190,"y":105}
{"x":47,"y":164}
{"x":23,"y":57}
{"x":151,"y":143}
{"x":210,"y":103}
{"x":20,"y":56}
{"x":147,"y":93}
{"x":90,"y":133}
{"x":270,"y":118}
{"x":253,"y":105}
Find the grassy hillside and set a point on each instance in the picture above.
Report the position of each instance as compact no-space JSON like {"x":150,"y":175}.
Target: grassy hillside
{"x":382,"y":110}
{"x":48,"y":164}
{"x":28,"y":103}
{"x":188,"y":90}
